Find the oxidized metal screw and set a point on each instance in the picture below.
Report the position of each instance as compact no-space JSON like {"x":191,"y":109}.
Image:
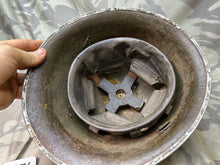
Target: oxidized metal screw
{"x":120,"y":93}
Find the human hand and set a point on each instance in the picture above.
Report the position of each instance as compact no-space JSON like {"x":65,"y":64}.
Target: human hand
{"x":16,"y":54}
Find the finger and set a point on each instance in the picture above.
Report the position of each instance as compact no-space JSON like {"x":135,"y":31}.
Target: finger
{"x":6,"y":96}
{"x":21,"y":59}
{"x":20,"y":78}
{"x":19,"y":92}
{"x":30,"y":59}
{"x":23,"y":44}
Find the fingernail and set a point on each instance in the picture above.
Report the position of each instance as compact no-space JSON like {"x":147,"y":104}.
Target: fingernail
{"x":40,"y":51}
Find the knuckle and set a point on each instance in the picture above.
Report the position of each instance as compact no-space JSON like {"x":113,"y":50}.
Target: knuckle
{"x":33,"y":58}
{"x":5,"y":50}
{"x":6,"y":53}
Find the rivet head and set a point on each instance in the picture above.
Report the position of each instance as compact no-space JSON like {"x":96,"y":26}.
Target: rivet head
{"x":120,"y":93}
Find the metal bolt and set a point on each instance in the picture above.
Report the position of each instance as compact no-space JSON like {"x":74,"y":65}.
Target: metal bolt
{"x":120,"y":93}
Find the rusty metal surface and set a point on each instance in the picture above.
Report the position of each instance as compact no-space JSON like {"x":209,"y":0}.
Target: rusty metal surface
{"x":65,"y":139}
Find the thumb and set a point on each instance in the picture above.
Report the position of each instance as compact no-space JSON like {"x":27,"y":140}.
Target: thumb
{"x":12,"y":58}
{"x":29,"y":59}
